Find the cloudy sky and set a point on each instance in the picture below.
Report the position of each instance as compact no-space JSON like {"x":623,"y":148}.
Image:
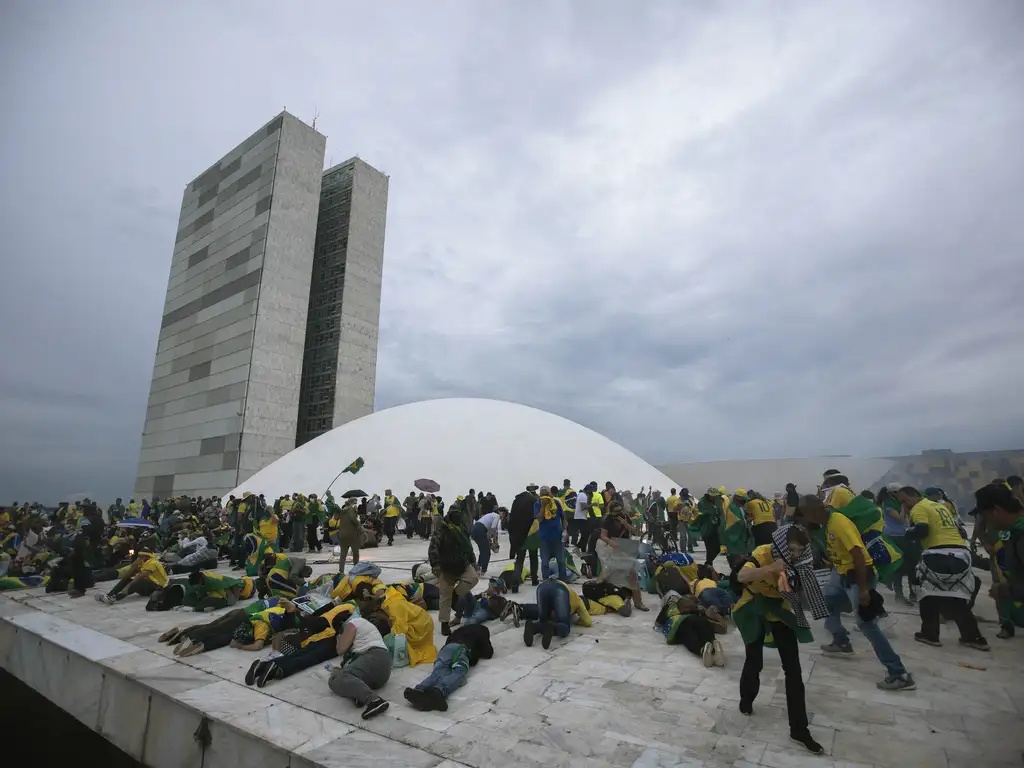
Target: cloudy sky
{"x":707,"y":230}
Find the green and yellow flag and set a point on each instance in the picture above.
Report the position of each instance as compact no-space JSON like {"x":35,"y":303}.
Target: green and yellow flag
{"x":355,"y":466}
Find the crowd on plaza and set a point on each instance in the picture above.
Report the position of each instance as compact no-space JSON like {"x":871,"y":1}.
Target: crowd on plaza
{"x":770,"y":566}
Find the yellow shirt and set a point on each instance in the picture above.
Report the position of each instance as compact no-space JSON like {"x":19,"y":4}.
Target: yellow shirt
{"x":942,"y":530}
{"x":840,"y":497}
{"x":286,"y":504}
{"x":597,"y":504}
{"x":760,"y":511}
{"x":154,"y":571}
{"x":262,"y":628}
{"x":841,"y":538}
{"x":672,"y":502}
{"x":701,"y":584}
{"x":577,"y":606}
{"x":391,"y":507}
{"x":5,"y":519}
{"x":769,"y":587}
{"x":268,"y":527}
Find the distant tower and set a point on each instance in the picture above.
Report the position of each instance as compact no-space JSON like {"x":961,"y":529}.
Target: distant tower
{"x":339,"y":369}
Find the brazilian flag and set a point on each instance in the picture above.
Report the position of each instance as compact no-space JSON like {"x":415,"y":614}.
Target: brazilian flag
{"x":867,"y":516}
{"x":354,"y":467}
{"x":734,"y":532}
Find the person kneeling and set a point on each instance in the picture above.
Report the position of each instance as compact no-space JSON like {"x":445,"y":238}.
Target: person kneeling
{"x":367,"y":664}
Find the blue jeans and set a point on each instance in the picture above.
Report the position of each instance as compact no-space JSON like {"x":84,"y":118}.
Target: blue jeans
{"x":479,"y":534}
{"x":552,"y":548}
{"x":553,"y":603}
{"x":472,"y":611}
{"x":450,"y":670}
{"x":842,"y":594}
{"x":714,"y":597}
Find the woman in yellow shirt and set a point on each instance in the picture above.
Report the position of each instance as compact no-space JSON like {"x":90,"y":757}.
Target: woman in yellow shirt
{"x":764,"y":616}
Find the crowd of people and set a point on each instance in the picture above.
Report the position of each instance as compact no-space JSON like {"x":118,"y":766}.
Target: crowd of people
{"x":770,"y":567}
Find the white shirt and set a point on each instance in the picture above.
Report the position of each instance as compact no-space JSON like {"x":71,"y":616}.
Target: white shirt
{"x":27,"y":546}
{"x":491,"y":521}
{"x":581,"y":510}
{"x":367,"y":636}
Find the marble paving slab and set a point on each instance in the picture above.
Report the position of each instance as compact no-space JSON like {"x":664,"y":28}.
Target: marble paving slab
{"x":611,"y":695}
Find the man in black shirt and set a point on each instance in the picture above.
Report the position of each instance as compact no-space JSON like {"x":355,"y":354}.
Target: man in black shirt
{"x":463,"y":649}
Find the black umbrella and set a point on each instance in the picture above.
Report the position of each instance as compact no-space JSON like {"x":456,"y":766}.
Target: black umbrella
{"x":354,"y":494}
{"x":427,"y":486}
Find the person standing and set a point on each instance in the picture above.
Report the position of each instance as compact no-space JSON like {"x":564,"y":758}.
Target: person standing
{"x":520,"y":520}
{"x":1002,"y":510}
{"x":392,"y":511}
{"x":298,"y":522}
{"x":894,"y":525}
{"x":451,"y":558}
{"x":709,"y":516}
{"x":115,"y":512}
{"x":412,"y":514}
{"x":774,"y":579}
{"x":552,"y":529}
{"x":579,"y":526}
{"x":284,"y":505}
{"x":849,"y":589}
{"x":761,"y":514}
{"x":948,"y":584}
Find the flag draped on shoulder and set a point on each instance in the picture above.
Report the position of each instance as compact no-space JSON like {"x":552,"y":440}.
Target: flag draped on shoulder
{"x":355,"y":466}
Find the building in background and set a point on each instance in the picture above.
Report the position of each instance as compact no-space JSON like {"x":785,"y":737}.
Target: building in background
{"x":340,"y":366}
{"x":224,"y":398}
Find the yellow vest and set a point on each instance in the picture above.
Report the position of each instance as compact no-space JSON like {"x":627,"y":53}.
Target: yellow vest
{"x":597,"y":503}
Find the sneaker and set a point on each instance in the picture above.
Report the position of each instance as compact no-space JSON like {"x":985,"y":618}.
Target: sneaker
{"x":746,"y":708}
{"x":708,"y":655}
{"x":528,"y":632}
{"x":1005,"y":632}
{"x":927,"y":640}
{"x":835,"y":649}
{"x":267,"y":672}
{"x":979,"y":645}
{"x":436,"y":700}
{"x":517,"y":615}
{"x":719,"y":654}
{"x":194,"y":649}
{"x":374,"y":708}
{"x":508,"y":611}
{"x":446,"y":628}
{"x":105,"y":599}
{"x":549,"y":632}
{"x":418,"y":699}
{"x":169,"y":636}
{"x":904,"y":682}
{"x":455,"y":622}
{"x":182,"y":646}
{"x":627,"y":608}
{"x":254,"y":669}
{"x":807,"y":741}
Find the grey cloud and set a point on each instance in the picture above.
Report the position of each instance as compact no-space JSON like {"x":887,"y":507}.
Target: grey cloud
{"x":707,"y":232}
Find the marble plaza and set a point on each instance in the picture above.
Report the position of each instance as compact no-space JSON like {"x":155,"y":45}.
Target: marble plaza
{"x":612,"y":695}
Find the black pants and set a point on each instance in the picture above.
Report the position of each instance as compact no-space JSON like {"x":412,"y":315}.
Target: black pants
{"x":410,"y":524}
{"x":574,"y":531}
{"x":694,"y":633}
{"x":313,"y":536}
{"x":763,"y":533}
{"x":713,"y":545}
{"x":218,"y":633}
{"x":594,"y":531}
{"x":789,"y":654}
{"x":672,"y":526}
{"x":285,"y":535}
{"x":310,"y":656}
{"x":129,"y":586}
{"x":389,"y":528}
{"x":934,"y":606}
{"x":534,"y":568}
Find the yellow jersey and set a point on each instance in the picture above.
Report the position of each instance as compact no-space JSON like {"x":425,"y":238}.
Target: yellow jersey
{"x":767,"y":587}
{"x":391,"y":507}
{"x":154,"y":571}
{"x":942,"y":528}
{"x":577,"y":606}
{"x":701,"y":584}
{"x":840,"y":497}
{"x":841,"y":538}
{"x":760,"y":511}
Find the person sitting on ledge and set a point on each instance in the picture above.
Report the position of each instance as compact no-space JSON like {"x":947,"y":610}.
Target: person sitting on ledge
{"x":145,"y":577}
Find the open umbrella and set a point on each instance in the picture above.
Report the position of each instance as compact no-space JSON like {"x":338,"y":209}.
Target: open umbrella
{"x":135,"y":522}
{"x":427,"y":486}
{"x":354,"y":494}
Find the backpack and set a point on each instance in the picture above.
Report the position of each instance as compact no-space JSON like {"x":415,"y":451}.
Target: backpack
{"x":366,"y":568}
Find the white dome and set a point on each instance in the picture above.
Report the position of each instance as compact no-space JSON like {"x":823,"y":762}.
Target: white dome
{"x":461,"y":443}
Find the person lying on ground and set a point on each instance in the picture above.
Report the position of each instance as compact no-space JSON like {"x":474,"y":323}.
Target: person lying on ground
{"x":463,"y":649}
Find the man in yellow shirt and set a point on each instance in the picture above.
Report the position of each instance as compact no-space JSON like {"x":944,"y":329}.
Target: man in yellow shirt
{"x":948,"y":585}
{"x":849,"y":589}
{"x":392,"y":511}
{"x":144,"y":577}
{"x":761,"y":514}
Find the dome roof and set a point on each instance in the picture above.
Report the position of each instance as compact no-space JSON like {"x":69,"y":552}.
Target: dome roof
{"x":461,"y":443}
